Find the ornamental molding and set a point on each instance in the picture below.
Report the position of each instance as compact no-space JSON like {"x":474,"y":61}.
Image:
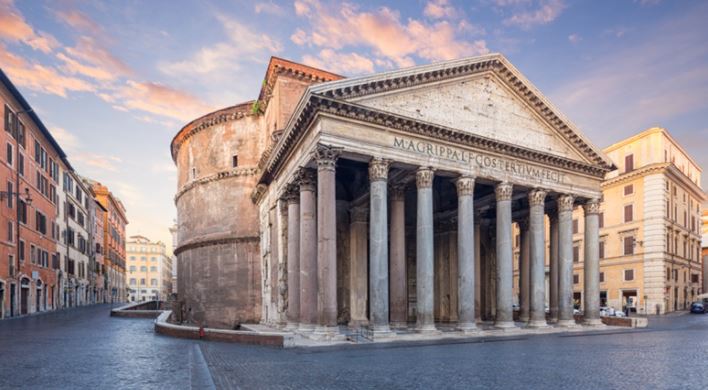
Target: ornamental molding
{"x":566,"y":203}
{"x":306,"y":179}
{"x":537,"y":197}
{"x":200,"y":243}
{"x":592,"y":206}
{"x":503,"y":191}
{"x":292,"y":194}
{"x":326,"y":157}
{"x":258,"y":193}
{"x":465,"y":186}
{"x":424,"y":177}
{"x":231,"y":173}
{"x":378,"y":169}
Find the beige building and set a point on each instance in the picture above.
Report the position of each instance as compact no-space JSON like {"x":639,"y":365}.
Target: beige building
{"x":149,"y":270}
{"x":650,"y":227}
{"x":704,"y":245}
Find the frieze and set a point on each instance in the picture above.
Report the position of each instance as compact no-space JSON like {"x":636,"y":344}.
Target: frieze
{"x":235,"y":172}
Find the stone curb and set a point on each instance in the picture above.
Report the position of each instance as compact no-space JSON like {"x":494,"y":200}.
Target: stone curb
{"x":129,"y":311}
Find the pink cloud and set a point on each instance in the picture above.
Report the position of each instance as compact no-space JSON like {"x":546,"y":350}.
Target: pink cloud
{"x":91,"y":51}
{"x":79,"y":21}
{"x":438,"y":9}
{"x":547,"y":11}
{"x":14,"y":28}
{"x":345,"y":63}
{"x":383,"y":32}
{"x":161,"y":100}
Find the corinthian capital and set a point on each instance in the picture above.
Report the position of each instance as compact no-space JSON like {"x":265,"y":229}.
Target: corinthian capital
{"x":292,"y":194}
{"x":306,"y":179}
{"x":537,"y":197}
{"x":397,"y":192}
{"x":504,"y":191}
{"x":565,"y":203}
{"x":424,"y":177}
{"x":378,"y":169}
{"x":465,"y":186}
{"x":326,"y":157}
{"x":592,"y":206}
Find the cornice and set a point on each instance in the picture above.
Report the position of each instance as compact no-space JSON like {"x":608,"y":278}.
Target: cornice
{"x":199,"y":243}
{"x":223,"y":115}
{"x":235,"y":172}
{"x":668,"y":168}
{"x":320,"y":104}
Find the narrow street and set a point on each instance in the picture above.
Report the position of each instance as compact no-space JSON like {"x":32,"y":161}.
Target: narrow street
{"x":85,"y":348}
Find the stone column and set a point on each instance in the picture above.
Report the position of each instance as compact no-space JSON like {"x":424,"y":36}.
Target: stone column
{"x":565,"y":261}
{"x":292,"y":200}
{"x":378,"y":247}
{"x":524,"y":275}
{"x":326,"y":158}
{"x":359,"y":266}
{"x":537,"y":257}
{"x":591,"y":280}
{"x":466,"y":254}
{"x":504,"y":281}
{"x":398,"y":282}
{"x":553,"y":265}
{"x":308,"y":250}
{"x":477,"y":269}
{"x":424,"y":251}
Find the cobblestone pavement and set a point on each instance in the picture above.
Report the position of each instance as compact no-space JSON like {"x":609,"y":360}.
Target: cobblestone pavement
{"x":84,"y":348}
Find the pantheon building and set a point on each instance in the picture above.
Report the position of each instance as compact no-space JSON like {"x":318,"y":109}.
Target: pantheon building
{"x":387,"y":202}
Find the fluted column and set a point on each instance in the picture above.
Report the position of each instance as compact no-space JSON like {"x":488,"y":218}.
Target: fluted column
{"x":553,"y":265}
{"x":477,"y":269}
{"x":292,"y":199}
{"x":398,"y":282}
{"x":591,"y":280}
{"x":359,"y":263}
{"x":308,"y":250}
{"x":524,"y":275}
{"x":504,"y":282}
{"x":378,"y":247}
{"x":565,"y":261}
{"x":326,"y":158}
{"x":537,"y":257}
{"x":465,"y":254}
{"x":424,"y":251}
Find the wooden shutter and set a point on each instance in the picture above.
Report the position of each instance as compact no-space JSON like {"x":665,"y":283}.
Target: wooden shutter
{"x":629,"y":163}
{"x":629,"y":245}
{"x":628,"y":213}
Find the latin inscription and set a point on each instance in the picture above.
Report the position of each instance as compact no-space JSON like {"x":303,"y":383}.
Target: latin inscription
{"x":477,"y":159}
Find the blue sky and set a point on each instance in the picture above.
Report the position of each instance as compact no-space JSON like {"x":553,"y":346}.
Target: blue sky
{"x":115,"y":81}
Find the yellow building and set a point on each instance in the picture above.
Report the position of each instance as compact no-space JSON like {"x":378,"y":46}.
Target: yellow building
{"x":149,"y":270}
{"x":704,"y":244}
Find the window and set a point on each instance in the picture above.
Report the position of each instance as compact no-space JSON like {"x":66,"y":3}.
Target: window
{"x":628,"y":213}
{"x":576,"y":253}
{"x":602,"y":250}
{"x":143,"y":258}
{"x":153,"y":259}
{"x":694,"y":278}
{"x":40,"y":222}
{"x":9,"y":154}
{"x":153,"y":269}
{"x":153,"y":282}
{"x":628,"y":245}
{"x":22,"y":211}
{"x":234,"y":161}
{"x":194,"y":173}
{"x":629,"y":189}
{"x":576,"y":279}
{"x":33,"y":254}
{"x":132,"y":268}
{"x":10,"y":231}
{"x":575,"y":226}
{"x":628,"y":275}
{"x":143,"y":268}
{"x":602,"y":277}
{"x":668,"y":274}
{"x":142,"y":282}
{"x":629,"y":163}
{"x":21,"y":164}
{"x":601,"y":220}
{"x":22,"y":250}
{"x":9,"y":194}
{"x":132,"y":281}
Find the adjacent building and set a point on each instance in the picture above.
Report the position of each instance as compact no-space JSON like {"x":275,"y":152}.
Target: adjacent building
{"x":149,"y":273}
{"x":704,"y":245}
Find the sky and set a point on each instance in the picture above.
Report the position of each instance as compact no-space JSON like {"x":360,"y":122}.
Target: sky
{"x":115,"y":81}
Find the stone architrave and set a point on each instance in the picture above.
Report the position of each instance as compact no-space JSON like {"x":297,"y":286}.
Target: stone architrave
{"x":424,"y":252}
{"x":306,"y":179}
{"x":466,"y":254}
{"x":504,"y":267}
{"x":398,"y":276}
{"x":537,"y":256}
{"x":591,"y":282}
{"x":565,"y":261}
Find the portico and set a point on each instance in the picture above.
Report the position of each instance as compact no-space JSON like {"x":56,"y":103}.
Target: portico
{"x":401,"y":192}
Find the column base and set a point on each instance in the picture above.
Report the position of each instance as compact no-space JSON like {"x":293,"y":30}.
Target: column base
{"x":399,"y":325}
{"x":468,"y":328}
{"x":327,"y":333}
{"x":427,"y":329}
{"x":291,"y":326}
{"x":305,"y":328}
{"x":593,"y":322}
{"x":537,"y":324}
{"x":358,"y":324}
{"x":566,"y":323}
{"x":524,"y":319}
{"x":379,"y":332}
{"x":504,"y":325}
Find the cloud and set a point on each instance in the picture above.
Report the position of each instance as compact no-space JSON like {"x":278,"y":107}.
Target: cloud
{"x":439,"y":9}
{"x":382,"y":32}
{"x":299,"y":37}
{"x":269,"y":8}
{"x":524,"y":18}
{"x":574,"y":38}
{"x":220,"y":60}
{"x":67,"y":140}
{"x":159,"y":99}
{"x":14,"y":28}
{"x":78,"y":21}
{"x":99,"y":161}
{"x":93,"y":52}
{"x":645,"y":3}
{"x":344,"y":63}
{"x":74,"y":67}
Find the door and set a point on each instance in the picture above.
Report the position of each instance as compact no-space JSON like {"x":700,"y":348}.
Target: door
{"x":12,"y":300}
{"x":2,"y":299}
{"x":24,"y":300}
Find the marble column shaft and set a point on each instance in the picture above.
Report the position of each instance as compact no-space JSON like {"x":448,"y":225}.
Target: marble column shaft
{"x":293,"y":256}
{"x":565,"y":261}
{"x":537,"y":257}
{"x":553,"y":265}
{"x":504,"y":278}
{"x":326,"y":238}
{"x":378,"y":246}
{"x":465,"y":254}
{"x":591,"y":260}
{"x":477,"y":269}
{"x":424,"y":251}
{"x":308,"y":250}
{"x":524,"y":275}
{"x":398,"y":276}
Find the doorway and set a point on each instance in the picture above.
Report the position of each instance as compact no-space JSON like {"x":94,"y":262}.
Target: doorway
{"x":2,"y":300}
{"x":24,"y":296}
{"x":12,"y":300}
{"x":629,"y":299}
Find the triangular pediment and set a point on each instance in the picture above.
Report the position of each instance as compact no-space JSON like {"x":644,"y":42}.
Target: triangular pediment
{"x":484,"y":96}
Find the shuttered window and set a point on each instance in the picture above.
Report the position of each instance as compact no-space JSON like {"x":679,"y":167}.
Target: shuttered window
{"x":576,"y":254}
{"x":628,"y":275}
{"x":602,"y":249}
{"x":629,"y":189}
{"x":628,"y":213}
{"x":629,"y":245}
{"x":629,"y":163}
